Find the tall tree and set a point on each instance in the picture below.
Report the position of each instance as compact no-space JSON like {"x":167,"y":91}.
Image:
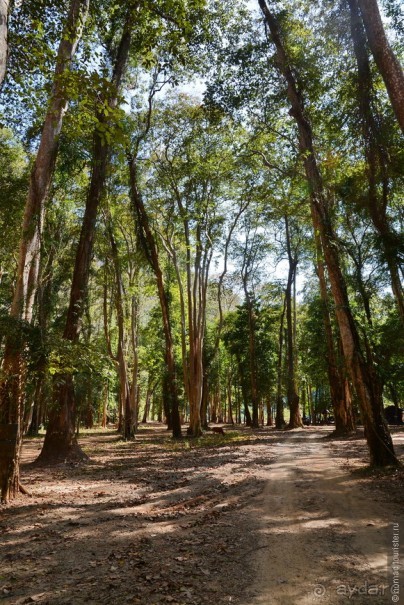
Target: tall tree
{"x":148,"y":242}
{"x":361,"y":370}
{"x":279,"y":415}
{"x":124,"y":390}
{"x":191,"y":160}
{"x":344,"y":421}
{"x":11,"y":388}
{"x":376,"y":156}
{"x":293,"y":397}
{"x":60,"y":439}
{"x":386,"y":60}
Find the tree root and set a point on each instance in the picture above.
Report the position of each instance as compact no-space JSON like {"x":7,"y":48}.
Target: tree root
{"x":24,"y":491}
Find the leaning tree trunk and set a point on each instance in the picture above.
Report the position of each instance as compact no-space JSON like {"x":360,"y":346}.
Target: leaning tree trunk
{"x":384,"y":56}
{"x":293,"y":397}
{"x":4,"y":13}
{"x":342,"y":414}
{"x":363,"y":373}
{"x":376,"y":156}
{"x":60,"y":440}
{"x":149,"y":245}
{"x":13,"y":369}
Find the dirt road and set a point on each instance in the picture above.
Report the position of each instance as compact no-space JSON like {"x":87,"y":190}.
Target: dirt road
{"x":252,"y":518}
{"x":324,"y":540}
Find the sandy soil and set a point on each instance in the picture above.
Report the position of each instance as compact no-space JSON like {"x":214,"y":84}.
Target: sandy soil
{"x":248,"y":519}
{"x":325,"y":539}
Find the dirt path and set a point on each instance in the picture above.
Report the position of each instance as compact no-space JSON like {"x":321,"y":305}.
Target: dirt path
{"x":323,"y":539}
{"x":252,"y":518}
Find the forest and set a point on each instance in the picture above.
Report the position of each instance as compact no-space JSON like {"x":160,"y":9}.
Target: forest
{"x":201,"y":208}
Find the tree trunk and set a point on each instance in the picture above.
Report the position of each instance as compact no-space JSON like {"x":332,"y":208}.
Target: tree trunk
{"x":279,"y":417}
{"x":247,"y":414}
{"x":151,"y":252}
{"x":60,"y":441}
{"x":135,"y":387}
{"x":205,"y":401}
{"x":311,"y":404}
{"x":376,"y":156}
{"x":149,"y":394}
{"x":4,"y":14}
{"x":384,"y":57}
{"x":342,"y":414}
{"x":252,"y":363}
{"x":362,"y":372}
{"x":128,"y":420}
{"x":293,"y":397}
{"x":270,"y":420}
{"x":105,"y":406}
{"x":230,"y":418}
{"x":13,"y":369}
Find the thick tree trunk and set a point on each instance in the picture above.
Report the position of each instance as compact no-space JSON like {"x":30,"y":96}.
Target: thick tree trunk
{"x":376,"y":156}
{"x":362,"y":372}
{"x":60,"y":436}
{"x":148,"y":242}
{"x":13,"y":380}
{"x":384,"y":56}
{"x":342,"y":414}
{"x":293,"y":397}
{"x":4,"y":14}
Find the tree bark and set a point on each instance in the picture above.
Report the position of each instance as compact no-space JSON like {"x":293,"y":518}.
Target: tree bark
{"x":60,"y":441}
{"x":247,"y":414}
{"x":128,"y":420}
{"x":293,"y":397}
{"x":151,"y":252}
{"x":363,"y":373}
{"x":376,"y":156}
{"x":149,"y":394}
{"x":252,"y":362}
{"x":279,"y":417}
{"x":4,"y":14}
{"x":270,"y":420}
{"x":12,"y":385}
{"x":386,"y":61}
{"x":135,"y":387}
{"x":248,"y":259}
{"x":342,"y":412}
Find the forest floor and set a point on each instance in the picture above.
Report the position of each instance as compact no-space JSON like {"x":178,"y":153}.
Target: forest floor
{"x":252,"y":518}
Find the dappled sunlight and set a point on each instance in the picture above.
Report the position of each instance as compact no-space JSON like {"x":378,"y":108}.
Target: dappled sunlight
{"x":278,"y":514}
